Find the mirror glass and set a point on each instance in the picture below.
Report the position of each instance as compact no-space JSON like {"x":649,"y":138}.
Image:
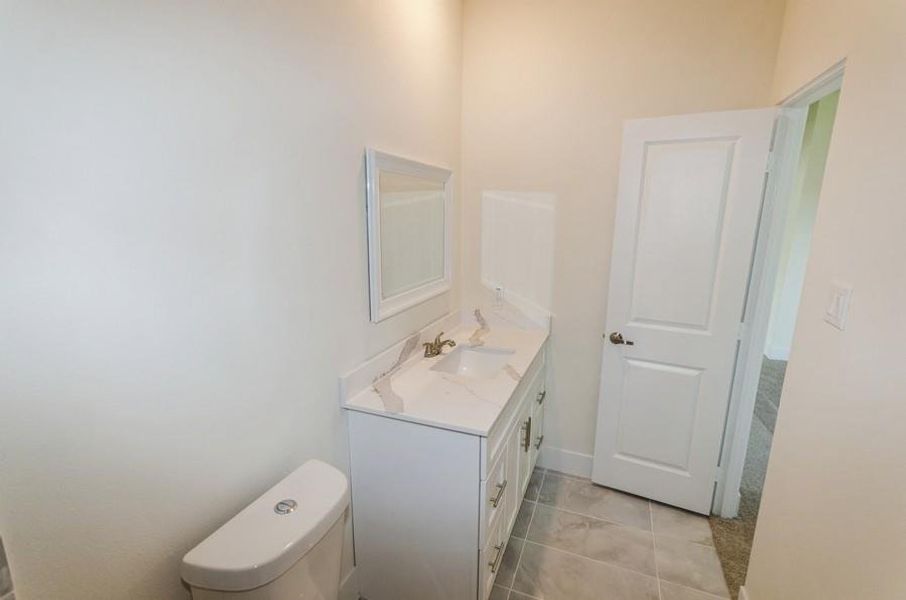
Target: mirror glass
{"x":412,"y":232}
{"x":409,"y":207}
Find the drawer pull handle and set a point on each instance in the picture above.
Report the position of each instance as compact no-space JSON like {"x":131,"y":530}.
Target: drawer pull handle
{"x":541,"y":396}
{"x":538,"y":441}
{"x":527,"y":440}
{"x":496,"y":499}
{"x":495,"y":564}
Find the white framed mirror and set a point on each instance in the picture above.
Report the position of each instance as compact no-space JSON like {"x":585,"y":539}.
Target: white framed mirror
{"x":409,"y":207}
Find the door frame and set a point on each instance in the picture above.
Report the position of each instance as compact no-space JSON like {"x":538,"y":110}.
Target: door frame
{"x":782,"y":171}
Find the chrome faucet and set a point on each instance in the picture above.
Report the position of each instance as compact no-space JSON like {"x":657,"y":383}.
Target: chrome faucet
{"x":436,"y":347}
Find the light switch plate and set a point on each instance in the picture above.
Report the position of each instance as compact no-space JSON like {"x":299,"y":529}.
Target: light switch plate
{"x":838,"y":304}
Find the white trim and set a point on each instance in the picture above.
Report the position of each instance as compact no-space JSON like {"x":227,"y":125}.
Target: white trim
{"x":349,"y":587}
{"x":743,"y":594}
{"x":776,"y":352}
{"x":376,"y":161}
{"x":827,"y":82}
{"x":787,"y":147}
{"x":741,"y":409}
{"x":566,"y":461}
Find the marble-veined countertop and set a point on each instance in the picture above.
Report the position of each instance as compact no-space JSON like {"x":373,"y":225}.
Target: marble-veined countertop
{"x":408,"y":389}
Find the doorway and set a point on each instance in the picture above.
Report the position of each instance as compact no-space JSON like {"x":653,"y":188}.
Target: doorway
{"x":711,"y":238}
{"x":688,"y":210}
{"x":766,"y":368}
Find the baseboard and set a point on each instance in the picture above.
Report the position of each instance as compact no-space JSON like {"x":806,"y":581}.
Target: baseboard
{"x":743,"y":595}
{"x":566,"y":461}
{"x":730,"y":507}
{"x":349,"y":588}
{"x":777,"y":352}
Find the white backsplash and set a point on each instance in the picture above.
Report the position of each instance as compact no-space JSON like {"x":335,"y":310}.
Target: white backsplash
{"x":517,"y":247}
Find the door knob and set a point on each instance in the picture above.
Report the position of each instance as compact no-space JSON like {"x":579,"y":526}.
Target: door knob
{"x":617,"y":338}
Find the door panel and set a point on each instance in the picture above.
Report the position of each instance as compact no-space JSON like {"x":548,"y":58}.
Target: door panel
{"x":681,"y":209}
{"x":688,"y":207}
{"x":655,"y":428}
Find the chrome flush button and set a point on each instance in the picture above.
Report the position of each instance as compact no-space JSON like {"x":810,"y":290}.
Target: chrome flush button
{"x":284,"y":507}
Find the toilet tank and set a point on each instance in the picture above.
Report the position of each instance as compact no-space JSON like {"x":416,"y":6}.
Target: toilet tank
{"x":285,"y":545}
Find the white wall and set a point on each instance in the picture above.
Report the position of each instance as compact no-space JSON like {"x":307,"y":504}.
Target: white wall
{"x":832,"y":518}
{"x":183,"y":260}
{"x":797,"y":235}
{"x":546,"y":88}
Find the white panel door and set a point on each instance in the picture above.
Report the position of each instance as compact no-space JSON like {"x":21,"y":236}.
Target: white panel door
{"x":688,"y":208}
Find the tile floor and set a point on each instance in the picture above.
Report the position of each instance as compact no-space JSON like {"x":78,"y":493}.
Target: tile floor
{"x":577,"y":541}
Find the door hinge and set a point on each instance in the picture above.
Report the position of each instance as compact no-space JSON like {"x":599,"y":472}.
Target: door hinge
{"x":769,"y":167}
{"x":718,"y":474}
{"x":741,"y":333}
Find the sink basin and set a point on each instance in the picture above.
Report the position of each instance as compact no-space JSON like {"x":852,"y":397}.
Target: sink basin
{"x":478,"y":363}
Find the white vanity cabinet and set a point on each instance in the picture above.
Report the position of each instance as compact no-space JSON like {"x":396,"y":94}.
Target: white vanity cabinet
{"x":433,"y":508}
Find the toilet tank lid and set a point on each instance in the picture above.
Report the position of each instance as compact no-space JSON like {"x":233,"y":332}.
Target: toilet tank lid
{"x":260,"y":544}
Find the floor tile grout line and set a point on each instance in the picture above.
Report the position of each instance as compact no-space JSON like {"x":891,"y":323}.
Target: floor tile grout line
{"x":606,"y":562}
{"x":599,"y":485}
{"x":679,"y":539}
{"x":650,"y":507}
{"x":648,"y":502}
{"x":594,"y":560}
{"x":698,"y":591}
{"x":657,"y":570}
{"x":568,"y":475}
{"x":685,"y":540}
{"x":682,"y":539}
{"x":511,"y":592}
{"x":527,"y":528}
{"x":587,"y":516}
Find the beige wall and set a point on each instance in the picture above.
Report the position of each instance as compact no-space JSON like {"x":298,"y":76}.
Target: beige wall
{"x":832,"y":523}
{"x":547,"y":86}
{"x":183,"y":256}
{"x":183,"y":260}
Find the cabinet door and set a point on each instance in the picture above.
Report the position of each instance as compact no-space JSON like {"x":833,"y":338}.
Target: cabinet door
{"x":537,"y":436}
{"x":491,"y":556}
{"x":525,"y":446}
{"x":537,"y":423}
{"x":500,"y":479}
{"x":513,"y":494}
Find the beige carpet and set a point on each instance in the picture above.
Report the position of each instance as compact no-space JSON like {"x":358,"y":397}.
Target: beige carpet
{"x":733,"y":537}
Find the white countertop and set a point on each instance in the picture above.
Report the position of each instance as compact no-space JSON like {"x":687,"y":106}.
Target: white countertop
{"x":410,"y":390}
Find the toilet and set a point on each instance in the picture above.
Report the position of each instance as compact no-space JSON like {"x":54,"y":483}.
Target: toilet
{"x":285,"y":545}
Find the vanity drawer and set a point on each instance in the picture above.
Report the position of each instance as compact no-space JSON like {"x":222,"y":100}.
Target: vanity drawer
{"x":495,"y":487}
{"x":491,"y":556}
